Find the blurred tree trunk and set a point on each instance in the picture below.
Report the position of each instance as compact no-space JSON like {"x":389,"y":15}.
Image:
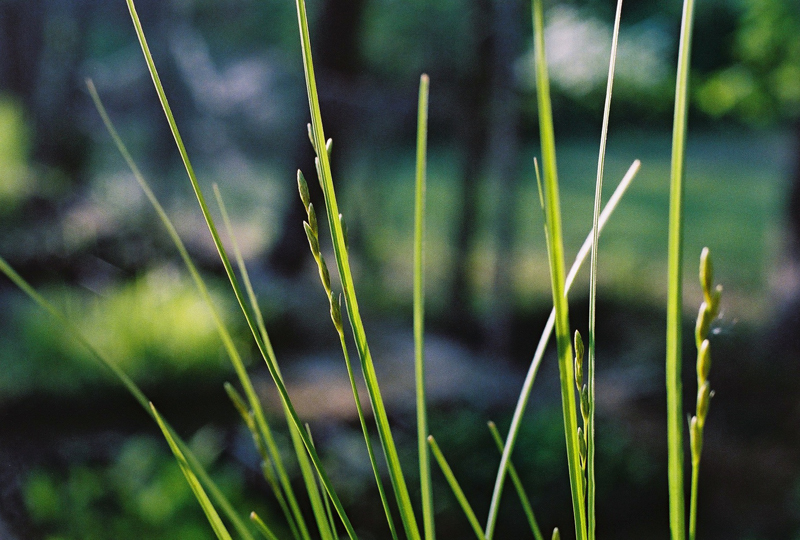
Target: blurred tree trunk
{"x":335,"y":41}
{"x":490,"y":136}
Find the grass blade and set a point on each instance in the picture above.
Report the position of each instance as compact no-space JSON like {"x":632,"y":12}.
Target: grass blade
{"x":419,"y":311}
{"x":589,"y":428}
{"x":523,"y":497}
{"x":135,"y":391}
{"x":342,"y":259}
{"x":538,"y":355}
{"x":227,"y":340}
{"x":262,"y":527}
{"x":208,"y":508}
{"x":268,"y":359}
{"x":457,"y":491}
{"x":675,"y":288}
{"x":555,"y":250}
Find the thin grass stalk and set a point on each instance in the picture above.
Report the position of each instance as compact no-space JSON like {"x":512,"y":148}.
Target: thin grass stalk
{"x":589,"y":429}
{"x":342,"y":259}
{"x":330,"y":530}
{"x":227,"y":340}
{"x":515,"y":479}
{"x":555,"y":248}
{"x":456,"y":488}
{"x":312,"y":233}
{"x":268,"y":359}
{"x":197,"y":488}
{"x":538,"y":355}
{"x":262,"y":527}
{"x":217,"y":495}
{"x":675,"y":288}
{"x":267,"y":469}
{"x":306,"y":470}
{"x":419,"y":310}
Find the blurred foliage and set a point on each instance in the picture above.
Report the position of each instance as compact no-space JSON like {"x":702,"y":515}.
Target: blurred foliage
{"x":154,"y":326}
{"x":14,"y":154}
{"x":139,"y":492}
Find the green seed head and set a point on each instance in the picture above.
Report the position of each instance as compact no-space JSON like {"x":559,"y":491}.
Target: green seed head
{"x":312,"y":218}
{"x":582,"y":447}
{"x":703,"y":403}
{"x":336,"y":311}
{"x":695,"y":438}
{"x":579,"y":351}
{"x":311,"y":136}
{"x":703,"y":362}
{"x":313,"y":242}
{"x":319,"y":173}
{"x":585,"y":401}
{"x":329,"y":147}
{"x":706,"y":273}
{"x":556,"y":534}
{"x":302,"y":187}
{"x":324,"y":275}
{"x":704,"y":318}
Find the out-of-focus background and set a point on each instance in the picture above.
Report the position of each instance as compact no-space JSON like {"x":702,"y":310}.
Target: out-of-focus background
{"x":79,"y":459}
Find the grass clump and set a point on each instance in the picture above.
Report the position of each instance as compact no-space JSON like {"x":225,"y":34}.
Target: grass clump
{"x":330,"y":517}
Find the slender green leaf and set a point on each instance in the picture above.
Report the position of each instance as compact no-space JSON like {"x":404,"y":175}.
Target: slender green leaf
{"x":419,"y":310}
{"x":523,"y":497}
{"x":589,"y":428}
{"x":268,"y":359}
{"x":675,"y":289}
{"x":343,"y":262}
{"x":456,"y":488}
{"x":262,"y":527}
{"x":555,"y":251}
{"x":538,"y":355}
{"x":199,"y":493}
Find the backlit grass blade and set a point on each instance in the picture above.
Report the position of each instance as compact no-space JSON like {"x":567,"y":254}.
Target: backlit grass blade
{"x":70,"y":329}
{"x":538,"y":355}
{"x":555,"y":251}
{"x":675,"y":419}
{"x":456,"y":488}
{"x":227,"y":340}
{"x":343,"y":262}
{"x":262,"y":527}
{"x":199,"y":493}
{"x":523,"y":497}
{"x":306,"y":470}
{"x":419,"y":310}
{"x":598,"y":195}
{"x":268,"y":359}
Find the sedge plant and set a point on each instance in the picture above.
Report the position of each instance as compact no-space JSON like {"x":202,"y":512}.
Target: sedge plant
{"x":577,"y":377}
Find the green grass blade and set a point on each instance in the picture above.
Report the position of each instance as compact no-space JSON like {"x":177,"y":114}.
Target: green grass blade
{"x":225,"y":336}
{"x":675,"y":289}
{"x":262,"y":527}
{"x":268,"y":359}
{"x":342,"y":259}
{"x":555,"y":251}
{"x":321,"y":508}
{"x":219,"y":498}
{"x":538,"y":355}
{"x":199,"y":493}
{"x":523,"y":497}
{"x":598,"y":195}
{"x":419,"y":311}
{"x":306,"y":470}
{"x":457,"y":491}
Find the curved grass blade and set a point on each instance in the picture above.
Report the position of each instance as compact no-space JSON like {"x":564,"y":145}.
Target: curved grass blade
{"x":227,"y":340}
{"x":457,"y":491}
{"x":343,"y":262}
{"x":208,"y":508}
{"x":555,"y":251}
{"x":677,"y":510}
{"x":523,"y":497}
{"x":268,"y":359}
{"x":138,"y":395}
{"x":302,"y":459}
{"x":538,"y":355}
{"x":598,"y":194}
{"x":419,"y":310}
{"x":262,"y":527}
